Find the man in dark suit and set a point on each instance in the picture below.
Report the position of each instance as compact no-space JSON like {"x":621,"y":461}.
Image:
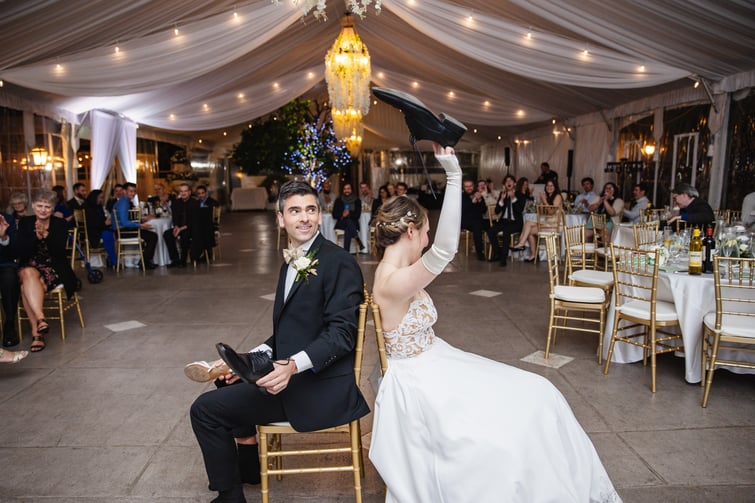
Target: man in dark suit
{"x":79,"y":197}
{"x":346,"y":212}
{"x":693,"y":209}
{"x":473,"y":210}
{"x":312,"y":384}
{"x":184,"y":213}
{"x":510,"y":206}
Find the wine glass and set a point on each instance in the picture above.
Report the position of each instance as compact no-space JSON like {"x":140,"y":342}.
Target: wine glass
{"x":675,"y":247}
{"x":729,"y":246}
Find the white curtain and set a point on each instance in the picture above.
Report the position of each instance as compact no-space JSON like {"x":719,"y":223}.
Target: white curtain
{"x":127,"y":149}
{"x":106,"y":131}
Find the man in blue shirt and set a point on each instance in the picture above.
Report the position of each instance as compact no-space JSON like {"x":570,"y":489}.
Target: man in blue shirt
{"x":120,"y":212}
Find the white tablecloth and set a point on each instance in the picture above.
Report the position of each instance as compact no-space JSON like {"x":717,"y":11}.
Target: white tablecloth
{"x":160,"y":225}
{"x":693,"y":297}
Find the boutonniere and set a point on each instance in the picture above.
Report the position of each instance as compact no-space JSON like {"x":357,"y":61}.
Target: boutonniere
{"x":304,"y":265}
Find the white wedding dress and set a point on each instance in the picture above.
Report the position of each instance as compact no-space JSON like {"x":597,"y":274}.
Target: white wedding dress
{"x":454,"y":427}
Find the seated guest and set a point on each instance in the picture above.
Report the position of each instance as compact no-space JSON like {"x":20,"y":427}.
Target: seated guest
{"x":62,"y":210}
{"x":523,"y":187}
{"x":510,"y":206}
{"x":551,"y":196}
{"x":204,"y":198}
{"x":346,"y":212}
{"x":488,"y":195}
{"x":116,"y":194}
{"x":474,"y":214}
{"x":378,"y":202}
{"x":79,"y":197}
{"x":99,"y":226}
{"x":18,"y":206}
{"x":401,"y":189}
{"x":9,"y":289}
{"x":120,"y":214}
{"x":206,"y":226}
{"x":43,"y":262}
{"x":391,"y":190}
{"x":584,"y":200}
{"x":639,"y":205}
{"x":184,"y":210}
{"x":161,"y":200}
{"x":365,"y":195}
{"x":694,"y":211}
{"x":327,"y":196}
{"x":609,"y":204}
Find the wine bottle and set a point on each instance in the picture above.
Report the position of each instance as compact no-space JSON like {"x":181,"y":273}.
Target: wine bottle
{"x":695,"y":253}
{"x":709,"y":246}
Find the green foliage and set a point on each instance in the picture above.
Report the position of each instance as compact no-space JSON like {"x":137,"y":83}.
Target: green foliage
{"x":263,"y":147}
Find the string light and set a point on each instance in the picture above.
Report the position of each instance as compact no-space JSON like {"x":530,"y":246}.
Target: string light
{"x":175,"y":30}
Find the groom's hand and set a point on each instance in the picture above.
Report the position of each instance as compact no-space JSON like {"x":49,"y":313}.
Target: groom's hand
{"x":277,"y":380}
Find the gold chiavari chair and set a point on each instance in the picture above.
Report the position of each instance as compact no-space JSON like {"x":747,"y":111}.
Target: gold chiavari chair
{"x":128,"y":243}
{"x":466,"y":235}
{"x":721,"y":215}
{"x":272,"y":452}
{"x":733,"y":216}
{"x":550,"y":221}
{"x":579,"y":253}
{"x":645,"y":234}
{"x":566,"y":299}
{"x":733,"y":321}
{"x":635,"y":274}
{"x":602,"y":250}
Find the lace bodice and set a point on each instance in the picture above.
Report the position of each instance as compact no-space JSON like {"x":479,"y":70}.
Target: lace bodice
{"x":414,"y":334}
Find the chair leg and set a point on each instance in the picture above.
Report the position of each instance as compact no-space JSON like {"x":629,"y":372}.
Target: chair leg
{"x":78,"y":309}
{"x":61,"y":316}
{"x":355,"y":457}
{"x":613,"y":342}
{"x":550,"y":331}
{"x":711,"y":368}
{"x":653,"y":356}
{"x":264,"y":488}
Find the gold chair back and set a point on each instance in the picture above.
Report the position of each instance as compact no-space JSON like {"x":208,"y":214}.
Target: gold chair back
{"x":732,"y":329}
{"x":550,"y":220}
{"x":733,"y":216}
{"x":635,"y":273}
{"x":645,"y":234}
{"x":128,"y":243}
{"x":579,"y":255}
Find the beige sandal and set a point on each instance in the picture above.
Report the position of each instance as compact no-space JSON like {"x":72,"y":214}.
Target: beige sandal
{"x":17,"y":356}
{"x":204,"y":372}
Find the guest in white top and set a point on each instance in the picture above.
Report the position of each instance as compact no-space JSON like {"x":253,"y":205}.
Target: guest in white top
{"x":583,"y":201}
{"x":640,"y":203}
{"x":748,"y":209}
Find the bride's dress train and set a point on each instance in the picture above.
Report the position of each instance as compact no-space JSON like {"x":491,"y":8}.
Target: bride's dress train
{"x":454,"y":427}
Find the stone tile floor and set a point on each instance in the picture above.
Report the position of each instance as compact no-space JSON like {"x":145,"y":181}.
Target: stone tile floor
{"x":103,"y":415}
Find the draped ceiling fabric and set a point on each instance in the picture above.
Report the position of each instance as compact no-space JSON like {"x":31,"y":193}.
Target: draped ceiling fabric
{"x":233,"y":61}
{"x":111,"y":135}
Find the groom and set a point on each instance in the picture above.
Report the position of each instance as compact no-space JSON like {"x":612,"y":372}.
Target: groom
{"x":312,"y":384}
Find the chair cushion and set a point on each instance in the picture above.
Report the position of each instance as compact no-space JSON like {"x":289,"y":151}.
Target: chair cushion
{"x":738,"y":326}
{"x":579,"y":294}
{"x":589,"y":248}
{"x":603,"y":251}
{"x":664,"y":311}
{"x":591,"y":277}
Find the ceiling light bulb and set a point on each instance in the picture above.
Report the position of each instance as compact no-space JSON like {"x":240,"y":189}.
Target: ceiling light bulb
{"x":175,"y":30}
{"x":697,"y":84}
{"x":529,"y":35}
{"x":117,"y":49}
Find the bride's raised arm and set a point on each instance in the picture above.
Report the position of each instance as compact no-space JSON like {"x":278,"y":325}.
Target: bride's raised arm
{"x":405,"y":282}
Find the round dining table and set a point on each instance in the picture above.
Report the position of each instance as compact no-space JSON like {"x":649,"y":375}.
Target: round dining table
{"x":159,"y":226}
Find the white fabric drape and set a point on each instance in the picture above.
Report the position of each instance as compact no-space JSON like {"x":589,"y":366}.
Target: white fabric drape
{"x":106,"y":130}
{"x":127,"y":149}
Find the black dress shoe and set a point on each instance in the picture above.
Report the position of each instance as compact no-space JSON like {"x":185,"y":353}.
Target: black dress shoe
{"x":518,"y":248}
{"x":10,"y":342}
{"x":248,"y":366}
{"x":149,"y":265}
{"x":494,"y":258}
{"x":422,"y":123}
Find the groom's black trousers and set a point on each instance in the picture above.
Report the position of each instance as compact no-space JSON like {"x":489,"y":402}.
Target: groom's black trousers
{"x":221,"y":415}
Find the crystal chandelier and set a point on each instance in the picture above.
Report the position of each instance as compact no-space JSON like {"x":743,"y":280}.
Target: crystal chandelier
{"x":348,"y":74}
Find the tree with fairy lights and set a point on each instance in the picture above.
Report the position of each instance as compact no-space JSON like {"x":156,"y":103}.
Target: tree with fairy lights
{"x":317,"y":153}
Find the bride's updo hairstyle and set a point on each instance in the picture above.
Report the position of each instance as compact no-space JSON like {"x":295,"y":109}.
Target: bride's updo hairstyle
{"x":393,"y":220}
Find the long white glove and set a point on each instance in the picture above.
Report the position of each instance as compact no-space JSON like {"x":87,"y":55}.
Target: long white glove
{"x":447,"y":234}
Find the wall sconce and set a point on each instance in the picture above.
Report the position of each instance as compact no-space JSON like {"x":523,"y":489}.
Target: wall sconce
{"x":649,"y":149}
{"x":38,"y":157}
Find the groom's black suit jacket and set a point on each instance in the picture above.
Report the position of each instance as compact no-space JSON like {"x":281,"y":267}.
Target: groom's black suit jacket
{"x":320,"y":317}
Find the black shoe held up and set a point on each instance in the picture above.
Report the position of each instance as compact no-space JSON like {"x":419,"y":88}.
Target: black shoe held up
{"x":248,"y":366}
{"x":422,"y":123}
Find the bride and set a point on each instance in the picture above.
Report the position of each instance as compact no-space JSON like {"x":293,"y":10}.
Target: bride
{"x":451,"y":426}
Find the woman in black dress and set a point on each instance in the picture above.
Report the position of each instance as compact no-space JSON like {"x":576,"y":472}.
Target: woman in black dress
{"x":42,"y":262}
